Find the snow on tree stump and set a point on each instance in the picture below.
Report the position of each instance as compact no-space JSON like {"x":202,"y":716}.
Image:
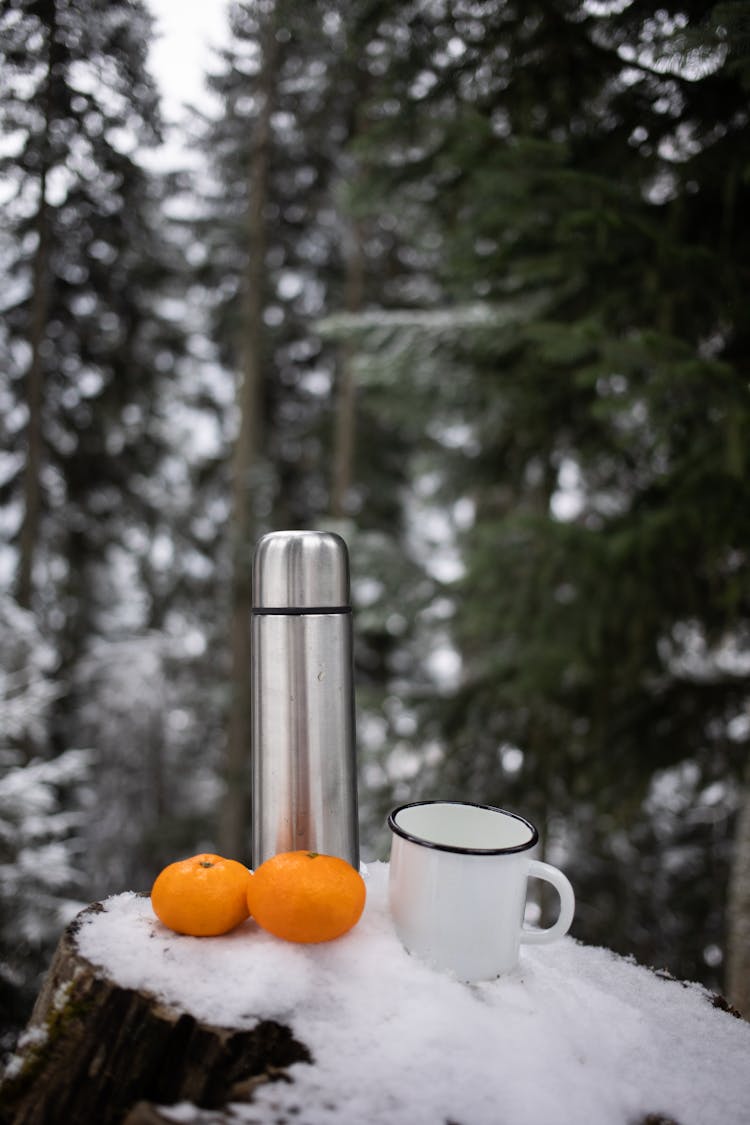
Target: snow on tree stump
{"x":140,"y":1026}
{"x":95,"y":1049}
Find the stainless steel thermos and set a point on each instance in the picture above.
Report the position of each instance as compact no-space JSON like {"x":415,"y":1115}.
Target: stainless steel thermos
{"x":304,"y":777}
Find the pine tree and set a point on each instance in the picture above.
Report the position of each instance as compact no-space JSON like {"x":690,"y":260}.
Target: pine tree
{"x":278,"y":251}
{"x":583,"y":168}
{"x":95,"y":489}
{"x":84,"y":340}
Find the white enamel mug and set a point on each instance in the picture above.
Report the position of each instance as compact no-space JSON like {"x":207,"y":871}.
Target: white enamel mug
{"x":457,"y":886}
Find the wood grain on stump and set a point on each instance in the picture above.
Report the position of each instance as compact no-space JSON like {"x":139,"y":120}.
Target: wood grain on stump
{"x":97,"y":1053}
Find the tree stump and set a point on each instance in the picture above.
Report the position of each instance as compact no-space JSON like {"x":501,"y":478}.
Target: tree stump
{"x":136,"y":1025}
{"x":96,"y":1053}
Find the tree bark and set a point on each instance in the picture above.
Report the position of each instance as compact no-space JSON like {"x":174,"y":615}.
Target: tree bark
{"x":101,"y":1053}
{"x":32,"y":484}
{"x":234,"y":826}
{"x":39,"y":314}
{"x":738,"y":938}
{"x":345,"y":421}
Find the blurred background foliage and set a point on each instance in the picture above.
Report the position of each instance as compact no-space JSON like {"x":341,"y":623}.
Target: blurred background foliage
{"x":467,"y":282}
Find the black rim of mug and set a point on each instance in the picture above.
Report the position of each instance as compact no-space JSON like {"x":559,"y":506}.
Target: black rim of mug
{"x":414,"y":839}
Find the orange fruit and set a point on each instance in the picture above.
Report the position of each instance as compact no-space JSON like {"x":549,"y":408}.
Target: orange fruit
{"x":203,"y":896}
{"x":305,"y":896}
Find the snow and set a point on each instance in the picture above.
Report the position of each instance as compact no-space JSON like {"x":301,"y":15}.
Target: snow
{"x":575,"y":1035}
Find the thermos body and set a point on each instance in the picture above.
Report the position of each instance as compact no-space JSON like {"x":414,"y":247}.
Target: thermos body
{"x":303,"y":727}
{"x":304,"y":778}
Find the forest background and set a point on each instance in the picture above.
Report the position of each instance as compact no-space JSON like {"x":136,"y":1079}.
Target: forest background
{"x":466,"y":281}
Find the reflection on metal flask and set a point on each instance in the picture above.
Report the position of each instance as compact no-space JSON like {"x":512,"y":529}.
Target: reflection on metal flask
{"x":304,"y":767}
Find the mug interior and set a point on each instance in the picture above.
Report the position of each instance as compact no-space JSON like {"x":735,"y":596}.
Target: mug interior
{"x":463,"y":827}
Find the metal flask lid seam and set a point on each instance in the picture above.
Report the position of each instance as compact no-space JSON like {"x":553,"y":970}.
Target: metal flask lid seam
{"x":301,"y":572}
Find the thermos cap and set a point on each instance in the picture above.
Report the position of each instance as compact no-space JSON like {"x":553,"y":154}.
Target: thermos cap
{"x":301,"y":570}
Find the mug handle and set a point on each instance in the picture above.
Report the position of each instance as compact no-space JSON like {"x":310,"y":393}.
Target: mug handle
{"x":561,"y":883}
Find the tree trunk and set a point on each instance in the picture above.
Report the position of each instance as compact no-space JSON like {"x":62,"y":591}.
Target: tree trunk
{"x":32,"y":483}
{"x":345,"y":422}
{"x":234,"y":827}
{"x":738,"y":938}
{"x":97,"y":1051}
